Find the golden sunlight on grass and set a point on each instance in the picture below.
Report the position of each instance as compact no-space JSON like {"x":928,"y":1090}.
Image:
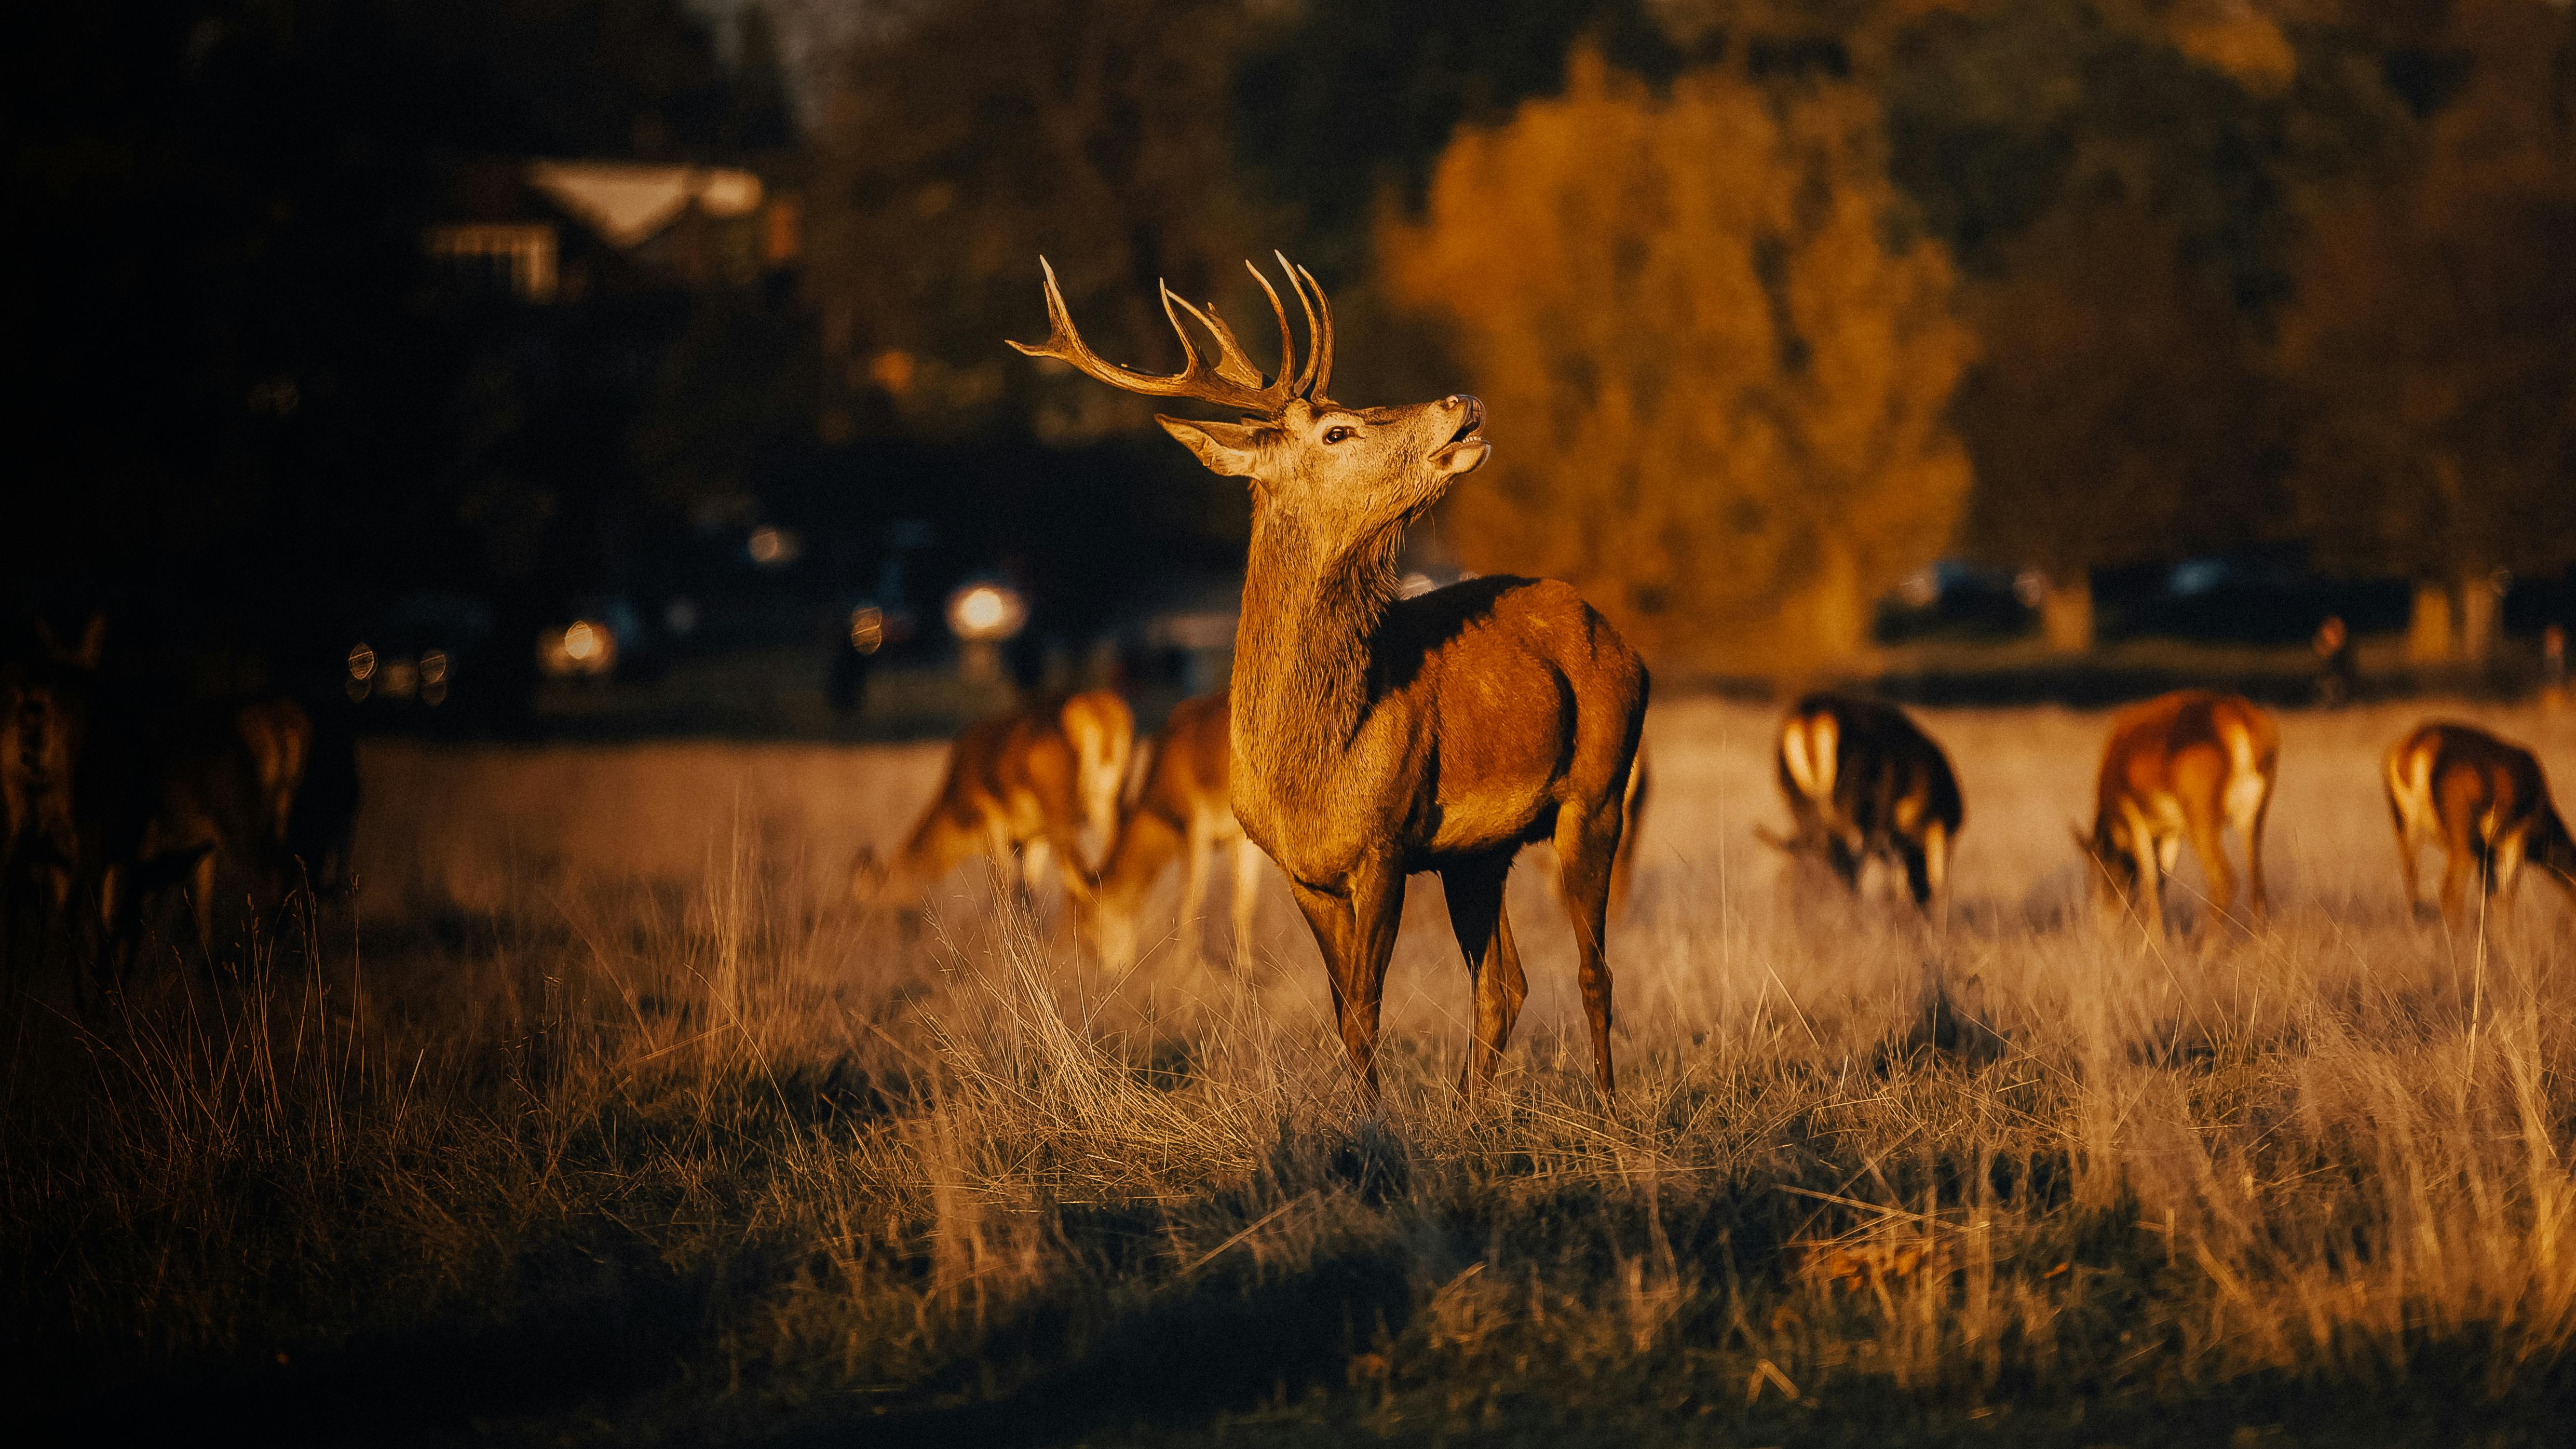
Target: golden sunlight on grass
{"x":618,"y":1122}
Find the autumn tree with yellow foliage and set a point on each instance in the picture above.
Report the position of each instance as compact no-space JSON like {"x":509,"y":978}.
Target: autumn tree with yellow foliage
{"x":1719,"y":360}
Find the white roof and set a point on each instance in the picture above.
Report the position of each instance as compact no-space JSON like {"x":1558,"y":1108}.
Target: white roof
{"x":627,"y":202}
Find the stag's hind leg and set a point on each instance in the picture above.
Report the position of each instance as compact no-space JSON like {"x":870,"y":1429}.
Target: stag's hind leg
{"x":1587,"y":846}
{"x":1484,"y":929}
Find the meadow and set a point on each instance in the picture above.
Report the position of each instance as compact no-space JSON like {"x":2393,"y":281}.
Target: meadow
{"x":597,"y":1118}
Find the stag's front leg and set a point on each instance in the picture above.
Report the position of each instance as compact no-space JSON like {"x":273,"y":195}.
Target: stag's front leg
{"x":1484,"y":930}
{"x":1355,"y":929}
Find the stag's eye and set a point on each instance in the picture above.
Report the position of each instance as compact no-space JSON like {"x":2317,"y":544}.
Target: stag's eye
{"x":1339,"y":434}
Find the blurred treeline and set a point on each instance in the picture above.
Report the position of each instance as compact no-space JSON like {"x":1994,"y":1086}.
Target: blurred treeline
{"x":1778,"y":301}
{"x":1774,"y":302}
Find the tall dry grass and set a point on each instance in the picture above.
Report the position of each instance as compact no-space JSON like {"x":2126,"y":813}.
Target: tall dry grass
{"x":596,"y":1116}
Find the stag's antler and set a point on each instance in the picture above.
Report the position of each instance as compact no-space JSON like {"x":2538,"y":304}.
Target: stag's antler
{"x":1233,"y":381}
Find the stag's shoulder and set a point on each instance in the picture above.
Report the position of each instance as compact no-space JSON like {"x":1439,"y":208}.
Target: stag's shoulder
{"x":1547,"y":612}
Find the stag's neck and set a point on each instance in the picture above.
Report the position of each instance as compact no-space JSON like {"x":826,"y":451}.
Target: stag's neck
{"x":1302,"y":655}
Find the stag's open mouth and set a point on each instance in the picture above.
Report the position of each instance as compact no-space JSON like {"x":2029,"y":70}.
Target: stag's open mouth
{"x":1475,"y":419}
{"x":1466,"y":449}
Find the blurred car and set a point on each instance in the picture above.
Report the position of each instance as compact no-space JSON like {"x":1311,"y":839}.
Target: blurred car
{"x":1953,"y":597}
{"x":602,"y":637}
{"x":2245,"y":600}
{"x":418,"y":654}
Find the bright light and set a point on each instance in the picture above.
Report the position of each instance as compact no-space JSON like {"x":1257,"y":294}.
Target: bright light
{"x":981,"y":612}
{"x":362,"y":662}
{"x":584,"y":648}
{"x":402,"y":678}
{"x":867,"y":628}
{"x":433,"y":667}
{"x":772,"y":547}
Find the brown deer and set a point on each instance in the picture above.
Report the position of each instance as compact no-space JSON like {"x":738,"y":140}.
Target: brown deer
{"x":2185,"y":764}
{"x":200,"y":804}
{"x":2486,"y":802}
{"x":1181,"y":810}
{"x":46,"y":697}
{"x":1022,"y":784}
{"x":1863,"y":781}
{"x":1373,"y":736}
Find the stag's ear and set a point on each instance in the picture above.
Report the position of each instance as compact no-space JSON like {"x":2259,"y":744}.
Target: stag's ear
{"x":1232,"y":449}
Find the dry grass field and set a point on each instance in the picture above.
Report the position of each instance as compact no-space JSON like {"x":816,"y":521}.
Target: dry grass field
{"x":596,"y":1119}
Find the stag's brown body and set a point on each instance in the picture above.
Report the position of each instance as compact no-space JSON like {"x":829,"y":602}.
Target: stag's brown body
{"x":1862,"y":779}
{"x":1183,"y":811}
{"x":1374,"y":736}
{"x":2486,"y":802}
{"x":2183,"y":766}
{"x":1019,"y":785}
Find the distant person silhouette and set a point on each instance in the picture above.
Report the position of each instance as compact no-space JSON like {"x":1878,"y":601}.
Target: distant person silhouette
{"x":2553,"y":668}
{"x":2336,"y":674}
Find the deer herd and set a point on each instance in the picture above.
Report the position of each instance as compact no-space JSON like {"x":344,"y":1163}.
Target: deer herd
{"x":1365,"y":737}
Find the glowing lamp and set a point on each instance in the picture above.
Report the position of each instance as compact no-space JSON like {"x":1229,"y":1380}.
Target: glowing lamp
{"x":986,"y":613}
{"x":583,"y":649}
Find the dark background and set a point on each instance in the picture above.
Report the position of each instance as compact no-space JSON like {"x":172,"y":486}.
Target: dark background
{"x":251,"y":419}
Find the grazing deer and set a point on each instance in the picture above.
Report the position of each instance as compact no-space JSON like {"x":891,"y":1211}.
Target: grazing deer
{"x":201,"y":803}
{"x":1373,"y":736}
{"x":1181,"y":810}
{"x":2182,"y":764}
{"x":1023,"y":784}
{"x":2487,"y":803}
{"x":1863,"y":780}
{"x":46,"y":696}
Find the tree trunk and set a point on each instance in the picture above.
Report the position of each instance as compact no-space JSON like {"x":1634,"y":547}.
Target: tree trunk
{"x":1841,"y":628}
{"x":2481,"y":613}
{"x":2066,"y":613}
{"x":2428,"y":627}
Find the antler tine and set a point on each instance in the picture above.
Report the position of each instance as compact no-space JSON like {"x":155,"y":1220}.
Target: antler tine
{"x":1231,"y":363}
{"x":1287,"y":339}
{"x":1319,"y":333}
{"x":1233,"y":382}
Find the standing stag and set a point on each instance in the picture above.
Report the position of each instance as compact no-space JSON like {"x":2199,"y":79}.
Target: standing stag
{"x":2185,"y":764}
{"x":1373,"y":736}
{"x":1022,"y":784}
{"x":1862,"y":780}
{"x":2487,"y":803}
{"x":1184,"y":811}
